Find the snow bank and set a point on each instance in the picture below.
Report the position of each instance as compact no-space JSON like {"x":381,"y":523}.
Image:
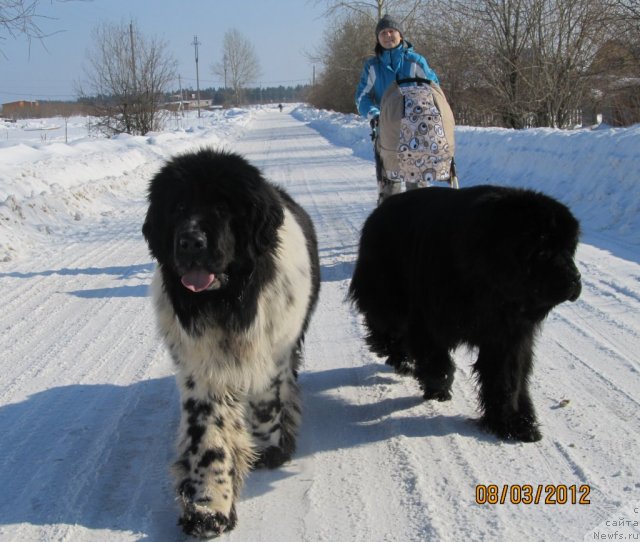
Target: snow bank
{"x":46,"y":183}
{"x":594,"y":171}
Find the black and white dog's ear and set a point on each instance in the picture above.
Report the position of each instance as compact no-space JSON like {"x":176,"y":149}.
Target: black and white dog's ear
{"x":267,"y":220}
{"x":146,"y":229}
{"x":150,"y":233}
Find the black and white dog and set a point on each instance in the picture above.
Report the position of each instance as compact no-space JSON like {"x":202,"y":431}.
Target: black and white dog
{"x":236,"y":282}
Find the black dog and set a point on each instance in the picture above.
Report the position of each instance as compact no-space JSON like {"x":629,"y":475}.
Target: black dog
{"x":236,"y":282}
{"x":481,"y":266}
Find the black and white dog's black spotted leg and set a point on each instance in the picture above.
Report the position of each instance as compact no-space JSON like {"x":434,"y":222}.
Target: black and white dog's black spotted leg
{"x":215,"y":453}
{"x":274,"y":416}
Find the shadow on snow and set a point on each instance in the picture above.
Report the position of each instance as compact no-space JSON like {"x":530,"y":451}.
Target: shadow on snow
{"x":99,"y":455}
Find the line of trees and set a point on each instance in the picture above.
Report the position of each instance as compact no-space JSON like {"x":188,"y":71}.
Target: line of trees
{"x":220,"y":97}
{"x":514,"y":63}
{"x":226,"y":97}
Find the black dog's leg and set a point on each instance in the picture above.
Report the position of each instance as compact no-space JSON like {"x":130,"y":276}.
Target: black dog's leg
{"x":503,"y":372}
{"x":388,"y":342}
{"x":274,"y":416}
{"x":434,"y":368}
{"x":434,"y":372}
{"x":399,"y":359}
{"x":402,"y":364}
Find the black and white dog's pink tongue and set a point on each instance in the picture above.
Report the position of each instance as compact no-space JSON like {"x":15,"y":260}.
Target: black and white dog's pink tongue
{"x":197,"y":281}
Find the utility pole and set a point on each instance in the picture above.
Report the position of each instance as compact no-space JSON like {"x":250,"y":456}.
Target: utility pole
{"x":133,"y":57}
{"x":134,"y":101}
{"x":195,"y":45}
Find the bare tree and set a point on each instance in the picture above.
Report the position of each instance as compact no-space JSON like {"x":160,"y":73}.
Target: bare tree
{"x":630,"y":7}
{"x":514,"y":63}
{"x":623,"y":17}
{"x":615,"y":71}
{"x":127,"y":76}
{"x":506,"y":43}
{"x":453,"y":52}
{"x":239,"y":65}
{"x":374,"y":9}
{"x":347,"y":44}
{"x":566,"y":37}
{"x":21,"y":17}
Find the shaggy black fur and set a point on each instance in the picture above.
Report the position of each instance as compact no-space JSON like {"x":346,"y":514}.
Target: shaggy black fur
{"x":481,"y":266}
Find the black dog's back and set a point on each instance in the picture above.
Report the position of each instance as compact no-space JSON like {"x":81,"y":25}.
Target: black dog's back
{"x":457,"y":247}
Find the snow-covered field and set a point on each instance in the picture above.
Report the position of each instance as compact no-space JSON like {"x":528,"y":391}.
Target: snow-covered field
{"x":88,"y":406}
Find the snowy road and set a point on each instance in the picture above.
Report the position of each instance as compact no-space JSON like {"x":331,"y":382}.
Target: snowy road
{"x":88,"y":406}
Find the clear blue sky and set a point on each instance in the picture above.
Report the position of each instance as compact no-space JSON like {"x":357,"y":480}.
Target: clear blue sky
{"x":281,"y":31}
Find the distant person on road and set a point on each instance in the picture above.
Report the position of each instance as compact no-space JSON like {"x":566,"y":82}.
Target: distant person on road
{"x":280,"y":107}
{"x":394,"y":59}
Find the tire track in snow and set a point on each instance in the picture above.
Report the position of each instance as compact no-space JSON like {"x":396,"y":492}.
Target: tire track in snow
{"x":320,"y":471}
{"x":336,"y":384}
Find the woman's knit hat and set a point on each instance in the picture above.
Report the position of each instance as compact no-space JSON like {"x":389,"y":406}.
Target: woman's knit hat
{"x":387,"y":22}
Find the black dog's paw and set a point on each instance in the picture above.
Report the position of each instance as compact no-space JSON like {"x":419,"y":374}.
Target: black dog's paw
{"x":520,"y":429}
{"x":402,"y":365}
{"x":271,"y":458}
{"x":436,"y":388}
{"x":437,"y":395}
{"x":201,"y":522}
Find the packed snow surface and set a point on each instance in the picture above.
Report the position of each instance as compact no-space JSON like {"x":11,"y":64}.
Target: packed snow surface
{"x":88,"y":403}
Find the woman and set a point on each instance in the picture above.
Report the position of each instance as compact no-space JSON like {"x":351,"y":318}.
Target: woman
{"x":394,"y":59}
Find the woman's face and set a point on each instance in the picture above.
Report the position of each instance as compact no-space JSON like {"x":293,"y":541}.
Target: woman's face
{"x":389,"y":38}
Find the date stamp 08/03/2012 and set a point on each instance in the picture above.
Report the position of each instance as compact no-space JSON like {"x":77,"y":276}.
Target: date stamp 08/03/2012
{"x":549,"y":494}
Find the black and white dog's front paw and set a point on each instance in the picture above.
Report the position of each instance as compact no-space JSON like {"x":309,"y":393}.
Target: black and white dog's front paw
{"x":202,"y":522}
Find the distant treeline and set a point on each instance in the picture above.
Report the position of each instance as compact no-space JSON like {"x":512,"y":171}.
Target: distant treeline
{"x":218,"y":96}
{"x":44,"y":109}
{"x":225,"y":97}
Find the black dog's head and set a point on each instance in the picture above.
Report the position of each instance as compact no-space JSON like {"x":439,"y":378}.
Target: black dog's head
{"x":536,"y":237}
{"x":211,"y":215}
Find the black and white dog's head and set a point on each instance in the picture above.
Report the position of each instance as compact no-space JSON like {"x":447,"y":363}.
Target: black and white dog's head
{"x":211,"y":217}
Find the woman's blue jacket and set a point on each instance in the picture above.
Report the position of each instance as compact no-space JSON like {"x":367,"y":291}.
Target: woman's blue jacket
{"x":381,"y":70}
